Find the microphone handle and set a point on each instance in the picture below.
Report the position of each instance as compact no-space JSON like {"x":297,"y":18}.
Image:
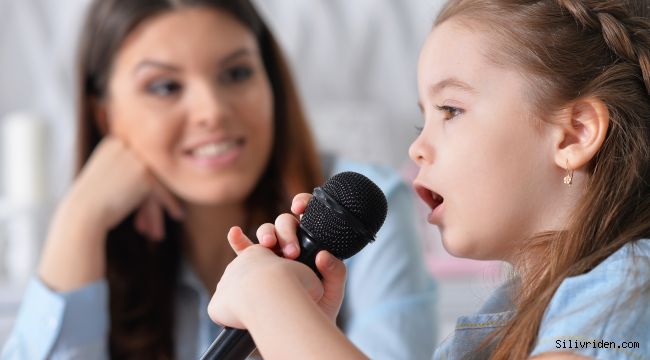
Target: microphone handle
{"x":230,"y":344}
{"x":237,"y":344}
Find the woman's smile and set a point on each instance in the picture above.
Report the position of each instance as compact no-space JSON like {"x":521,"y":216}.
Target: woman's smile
{"x":216,"y":154}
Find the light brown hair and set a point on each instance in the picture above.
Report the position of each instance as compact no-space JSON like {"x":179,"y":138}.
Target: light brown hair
{"x":141,"y":274}
{"x":568,"y":49}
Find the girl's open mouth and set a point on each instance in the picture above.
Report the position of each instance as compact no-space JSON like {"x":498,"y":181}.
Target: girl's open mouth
{"x":433,"y":200}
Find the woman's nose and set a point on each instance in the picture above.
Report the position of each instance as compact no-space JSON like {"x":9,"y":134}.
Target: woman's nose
{"x":421,"y":151}
{"x":208,"y":109}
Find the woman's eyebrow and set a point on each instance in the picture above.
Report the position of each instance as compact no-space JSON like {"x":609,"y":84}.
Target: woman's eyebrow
{"x":235,"y":55}
{"x":154,"y":63}
{"x":170,"y":67}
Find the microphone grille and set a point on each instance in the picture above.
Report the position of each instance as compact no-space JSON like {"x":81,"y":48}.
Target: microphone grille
{"x":359,"y":195}
{"x":362,"y":198}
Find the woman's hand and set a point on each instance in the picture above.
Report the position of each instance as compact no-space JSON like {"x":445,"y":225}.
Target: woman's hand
{"x":112,"y":184}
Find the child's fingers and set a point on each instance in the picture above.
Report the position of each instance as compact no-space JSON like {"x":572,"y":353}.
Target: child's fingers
{"x":333,"y":271}
{"x":299,"y":203}
{"x":238,"y":240}
{"x":286,"y":226}
{"x":266,"y":235}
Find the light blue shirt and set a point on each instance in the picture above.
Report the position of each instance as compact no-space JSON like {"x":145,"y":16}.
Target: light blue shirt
{"x":388,"y":310}
{"x":604,"y":313}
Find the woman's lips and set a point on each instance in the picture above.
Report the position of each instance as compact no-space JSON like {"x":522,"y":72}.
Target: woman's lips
{"x":216,"y":155}
{"x":433,"y":200}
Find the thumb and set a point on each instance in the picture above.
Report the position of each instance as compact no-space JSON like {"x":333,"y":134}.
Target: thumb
{"x":333,"y":271}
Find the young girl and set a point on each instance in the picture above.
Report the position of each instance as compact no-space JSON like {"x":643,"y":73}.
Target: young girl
{"x":535,"y":150}
{"x":187,"y":106}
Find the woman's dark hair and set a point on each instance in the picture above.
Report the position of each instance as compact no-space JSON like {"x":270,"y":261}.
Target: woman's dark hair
{"x":568,"y":50}
{"x":142,"y":274}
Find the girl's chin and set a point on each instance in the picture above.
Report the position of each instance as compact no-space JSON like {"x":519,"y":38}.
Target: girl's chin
{"x":461,"y":248}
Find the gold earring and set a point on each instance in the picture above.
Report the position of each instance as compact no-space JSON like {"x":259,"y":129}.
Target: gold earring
{"x":568,"y":179}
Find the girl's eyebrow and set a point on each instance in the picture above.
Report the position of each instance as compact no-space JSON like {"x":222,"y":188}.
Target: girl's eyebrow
{"x":452,"y":83}
{"x":448,"y":83}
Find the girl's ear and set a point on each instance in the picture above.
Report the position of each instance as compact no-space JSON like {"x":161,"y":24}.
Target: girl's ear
{"x":580,"y":132}
{"x":101,"y":116}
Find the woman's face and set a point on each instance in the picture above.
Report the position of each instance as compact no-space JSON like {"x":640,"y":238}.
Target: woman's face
{"x":190,"y":96}
{"x":486,"y":166}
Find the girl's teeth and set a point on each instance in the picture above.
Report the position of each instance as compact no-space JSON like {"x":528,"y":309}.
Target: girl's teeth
{"x":214,"y":149}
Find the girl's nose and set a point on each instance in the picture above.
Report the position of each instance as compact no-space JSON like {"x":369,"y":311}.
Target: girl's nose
{"x":421,"y":151}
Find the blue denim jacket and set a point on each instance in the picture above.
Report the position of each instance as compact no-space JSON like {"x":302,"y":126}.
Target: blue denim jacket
{"x":604,"y":314}
{"x":467,"y":340}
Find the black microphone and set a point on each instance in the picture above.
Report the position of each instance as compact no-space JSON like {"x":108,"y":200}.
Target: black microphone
{"x":342,"y":217}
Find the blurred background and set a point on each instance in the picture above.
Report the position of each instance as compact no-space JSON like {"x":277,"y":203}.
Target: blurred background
{"x":355,"y":65}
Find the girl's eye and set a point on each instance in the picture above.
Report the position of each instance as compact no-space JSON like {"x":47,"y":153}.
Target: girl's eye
{"x":236,"y":74}
{"x":163,"y":87}
{"x":450,"y":111}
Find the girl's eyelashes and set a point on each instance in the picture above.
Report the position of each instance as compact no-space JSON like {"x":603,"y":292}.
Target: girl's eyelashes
{"x":418,"y":129}
{"x":450,"y":111}
{"x":163,"y":87}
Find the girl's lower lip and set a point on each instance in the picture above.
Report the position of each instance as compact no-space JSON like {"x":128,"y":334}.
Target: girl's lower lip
{"x":217,"y":161}
{"x":435,"y":216}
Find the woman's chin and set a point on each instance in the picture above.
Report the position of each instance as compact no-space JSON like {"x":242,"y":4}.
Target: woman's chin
{"x":212,"y":196}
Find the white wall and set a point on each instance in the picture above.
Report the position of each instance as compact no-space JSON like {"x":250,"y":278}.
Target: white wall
{"x":355,"y":62}
{"x":37,"y":50}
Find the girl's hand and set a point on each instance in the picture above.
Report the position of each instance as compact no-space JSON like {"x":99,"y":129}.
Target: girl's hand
{"x":256,"y":268}
{"x":282,"y":237}
{"x":274,"y":298}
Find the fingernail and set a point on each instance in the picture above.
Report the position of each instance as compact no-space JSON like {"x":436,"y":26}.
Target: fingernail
{"x":233,"y":231}
{"x":330,"y":265}
{"x":268,"y":238}
{"x":290,"y":250}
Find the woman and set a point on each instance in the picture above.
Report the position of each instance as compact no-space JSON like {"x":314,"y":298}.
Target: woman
{"x":189,"y":124}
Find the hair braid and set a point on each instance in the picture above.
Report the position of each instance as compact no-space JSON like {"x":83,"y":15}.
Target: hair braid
{"x":625,"y":30}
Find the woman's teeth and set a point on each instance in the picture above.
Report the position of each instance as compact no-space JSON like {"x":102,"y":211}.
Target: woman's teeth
{"x":214,"y":149}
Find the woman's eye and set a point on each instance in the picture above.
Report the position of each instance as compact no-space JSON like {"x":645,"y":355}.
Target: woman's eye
{"x":450,"y":111}
{"x":237,"y":74}
{"x":163,"y":87}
